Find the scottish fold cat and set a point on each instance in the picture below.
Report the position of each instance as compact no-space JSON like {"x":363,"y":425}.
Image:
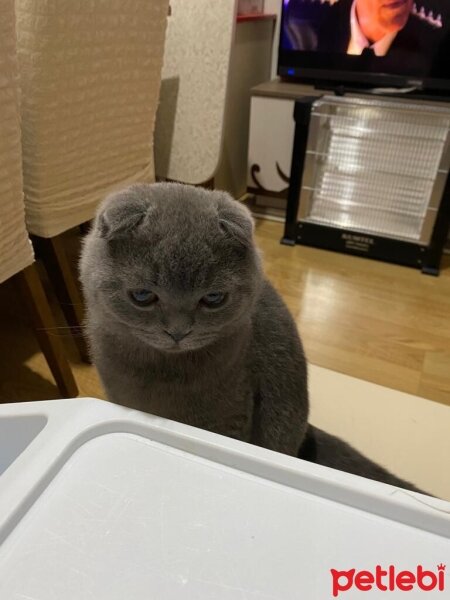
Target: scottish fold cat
{"x":183,"y":323}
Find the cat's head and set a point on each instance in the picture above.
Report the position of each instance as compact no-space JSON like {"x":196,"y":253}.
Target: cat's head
{"x":175,"y":264}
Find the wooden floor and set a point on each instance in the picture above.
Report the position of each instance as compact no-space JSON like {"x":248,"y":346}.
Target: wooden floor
{"x":372,"y":320}
{"x":383,"y":323}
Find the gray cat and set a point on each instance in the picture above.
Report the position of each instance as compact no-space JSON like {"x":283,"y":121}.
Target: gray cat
{"x":183,"y":324}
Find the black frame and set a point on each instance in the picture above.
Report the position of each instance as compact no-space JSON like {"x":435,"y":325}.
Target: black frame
{"x":350,"y":241}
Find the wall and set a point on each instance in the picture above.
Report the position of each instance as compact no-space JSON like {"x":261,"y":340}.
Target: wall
{"x":274,"y":7}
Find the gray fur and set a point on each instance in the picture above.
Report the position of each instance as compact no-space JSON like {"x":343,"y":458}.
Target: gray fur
{"x":241,"y":370}
{"x":337,"y":454}
{"x":184,"y":242}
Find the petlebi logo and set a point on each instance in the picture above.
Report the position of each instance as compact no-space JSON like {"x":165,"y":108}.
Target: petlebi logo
{"x":388,"y":579}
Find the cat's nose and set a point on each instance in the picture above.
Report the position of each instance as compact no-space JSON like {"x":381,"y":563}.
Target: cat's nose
{"x":177,"y":336}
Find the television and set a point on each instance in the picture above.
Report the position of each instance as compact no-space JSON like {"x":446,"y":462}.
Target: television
{"x":367,"y":43}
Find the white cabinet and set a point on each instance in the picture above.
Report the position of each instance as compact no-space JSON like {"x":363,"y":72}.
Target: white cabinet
{"x":270,"y":145}
{"x":271,"y":139}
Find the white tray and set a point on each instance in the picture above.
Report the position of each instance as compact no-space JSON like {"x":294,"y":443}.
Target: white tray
{"x":101,"y":502}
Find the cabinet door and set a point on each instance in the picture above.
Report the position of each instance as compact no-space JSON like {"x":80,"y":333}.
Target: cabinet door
{"x":270,"y":146}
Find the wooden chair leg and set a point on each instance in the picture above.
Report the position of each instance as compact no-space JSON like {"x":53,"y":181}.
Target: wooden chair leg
{"x":209,"y":184}
{"x":44,"y":327}
{"x":53,"y":253}
{"x":85,"y":227}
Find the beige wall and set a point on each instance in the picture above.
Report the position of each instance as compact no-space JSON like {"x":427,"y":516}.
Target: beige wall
{"x":274,"y":7}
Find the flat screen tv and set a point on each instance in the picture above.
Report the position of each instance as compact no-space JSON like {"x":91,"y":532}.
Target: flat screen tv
{"x":397,"y":43}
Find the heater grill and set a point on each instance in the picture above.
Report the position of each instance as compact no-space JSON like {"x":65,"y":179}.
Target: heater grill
{"x":372,"y":166}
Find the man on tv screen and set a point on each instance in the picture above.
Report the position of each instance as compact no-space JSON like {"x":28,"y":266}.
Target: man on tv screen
{"x":398,"y":29}
{"x":376,"y":23}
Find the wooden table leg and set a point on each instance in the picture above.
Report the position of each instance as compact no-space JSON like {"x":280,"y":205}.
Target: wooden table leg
{"x":45,"y":330}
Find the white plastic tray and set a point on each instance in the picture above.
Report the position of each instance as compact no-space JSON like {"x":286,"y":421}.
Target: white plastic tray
{"x":101,"y":502}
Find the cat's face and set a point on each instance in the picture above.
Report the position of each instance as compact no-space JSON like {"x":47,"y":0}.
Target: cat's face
{"x":175,"y":264}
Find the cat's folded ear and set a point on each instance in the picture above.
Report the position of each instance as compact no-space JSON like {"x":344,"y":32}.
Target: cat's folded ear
{"x":121,"y":213}
{"x":236,"y":221}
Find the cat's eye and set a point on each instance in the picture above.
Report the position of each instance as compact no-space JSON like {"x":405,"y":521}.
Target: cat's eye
{"x":143,"y":297}
{"x":213,"y":299}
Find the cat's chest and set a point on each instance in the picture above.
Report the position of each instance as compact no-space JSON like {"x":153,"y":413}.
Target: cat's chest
{"x":199,"y":397}
{"x":201,"y":385}
{"x":215,"y":395}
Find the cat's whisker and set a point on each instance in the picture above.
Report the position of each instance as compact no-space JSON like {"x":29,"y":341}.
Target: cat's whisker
{"x":69,"y":327}
{"x":77,"y":331}
{"x":71,"y":304}
{"x":63,"y":335}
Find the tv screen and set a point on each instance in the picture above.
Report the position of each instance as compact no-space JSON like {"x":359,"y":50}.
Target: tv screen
{"x":398,"y":42}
